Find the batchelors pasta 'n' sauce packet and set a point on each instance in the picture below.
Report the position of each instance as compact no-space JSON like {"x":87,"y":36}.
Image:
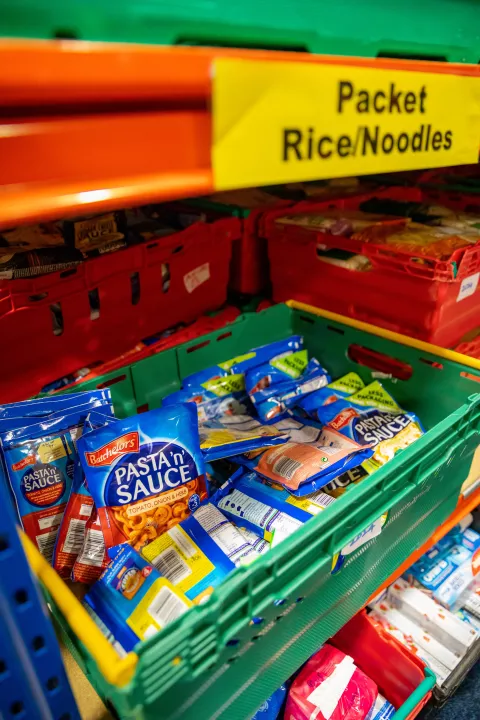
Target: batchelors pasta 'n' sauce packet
{"x":277,"y":384}
{"x":345,"y":386}
{"x":78,"y":511}
{"x":266,"y":509}
{"x":146,"y":473}
{"x":232,"y":434}
{"x":224,"y":395}
{"x":200,"y":552}
{"x":372,"y":418}
{"x":40,"y":460}
{"x":132,"y":599}
{"x":313,"y":457}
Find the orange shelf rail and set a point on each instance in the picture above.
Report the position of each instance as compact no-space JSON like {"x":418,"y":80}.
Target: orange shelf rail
{"x":465,"y":505}
{"x":87,"y":127}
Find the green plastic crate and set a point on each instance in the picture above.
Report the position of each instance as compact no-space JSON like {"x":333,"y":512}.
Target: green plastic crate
{"x":432,"y":29}
{"x":213,"y":663}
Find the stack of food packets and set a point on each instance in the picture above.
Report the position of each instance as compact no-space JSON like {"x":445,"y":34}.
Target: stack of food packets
{"x":125,"y":504}
{"x":440,"y":633}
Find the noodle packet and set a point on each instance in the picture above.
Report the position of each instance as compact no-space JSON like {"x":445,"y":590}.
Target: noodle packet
{"x":40,"y":461}
{"x":276,"y":385}
{"x":313,"y":457}
{"x":232,"y":434}
{"x":260,"y":355}
{"x":78,"y":511}
{"x":145,"y":473}
{"x":266,"y":509}
{"x":373,"y":419}
{"x":55,"y":404}
{"x":224,"y":395}
{"x":200,"y":552}
{"x":345,"y":386}
{"x":132,"y":599}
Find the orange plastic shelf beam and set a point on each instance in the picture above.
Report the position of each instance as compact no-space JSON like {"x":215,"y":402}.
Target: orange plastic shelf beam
{"x":87,"y":127}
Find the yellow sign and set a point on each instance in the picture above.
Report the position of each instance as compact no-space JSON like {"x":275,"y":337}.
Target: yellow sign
{"x":277,"y":122}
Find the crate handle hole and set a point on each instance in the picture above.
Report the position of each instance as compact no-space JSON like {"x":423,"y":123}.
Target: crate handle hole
{"x":223,"y":336}
{"x":337,"y":330}
{"x":432,"y":363}
{"x":94,"y":302}
{"x":178,"y":249}
{"x":56,"y":314}
{"x":135,"y":287}
{"x":307,"y":319}
{"x":469,"y":376}
{"x":300,"y":599}
{"x":198,"y":346}
{"x":165,"y":277}
{"x":152,"y":245}
{"x":256,"y":637}
{"x":38,"y":297}
{"x":232,"y":642}
{"x":67,"y":273}
{"x":112,"y":381}
{"x":380,"y":362}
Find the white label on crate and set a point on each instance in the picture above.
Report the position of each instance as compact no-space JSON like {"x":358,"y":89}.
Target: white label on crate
{"x":327,"y":695}
{"x":468,"y":286}
{"x":197,"y":277}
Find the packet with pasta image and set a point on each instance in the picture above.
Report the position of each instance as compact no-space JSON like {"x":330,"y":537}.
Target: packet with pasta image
{"x":372,"y":418}
{"x":39,"y":461}
{"x":132,"y":599}
{"x":231,"y":434}
{"x":145,"y":473}
{"x":345,"y":386}
{"x":200,"y":552}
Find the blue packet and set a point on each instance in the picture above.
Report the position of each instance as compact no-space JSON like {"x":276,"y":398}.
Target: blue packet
{"x":58,"y":404}
{"x":39,"y":462}
{"x":271,"y":708}
{"x":259,"y":355}
{"x":267,"y":510}
{"x":381,"y":709}
{"x":312,"y":458}
{"x":200,"y":552}
{"x":132,"y":599}
{"x":218,"y":396}
{"x":146,"y":473}
{"x":345,"y":386}
{"x":231,"y":434}
{"x":371,"y":418}
{"x":274,"y":388}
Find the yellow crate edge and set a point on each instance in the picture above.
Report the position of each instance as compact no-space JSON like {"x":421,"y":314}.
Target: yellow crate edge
{"x":116,"y":671}
{"x":389,"y":335}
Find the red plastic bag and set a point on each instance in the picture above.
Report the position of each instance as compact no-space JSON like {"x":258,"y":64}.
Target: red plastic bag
{"x":330,"y":687}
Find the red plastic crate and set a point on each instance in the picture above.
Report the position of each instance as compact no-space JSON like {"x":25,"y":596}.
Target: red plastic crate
{"x":397,"y":293}
{"x":52,"y":324}
{"x":395,"y":670}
